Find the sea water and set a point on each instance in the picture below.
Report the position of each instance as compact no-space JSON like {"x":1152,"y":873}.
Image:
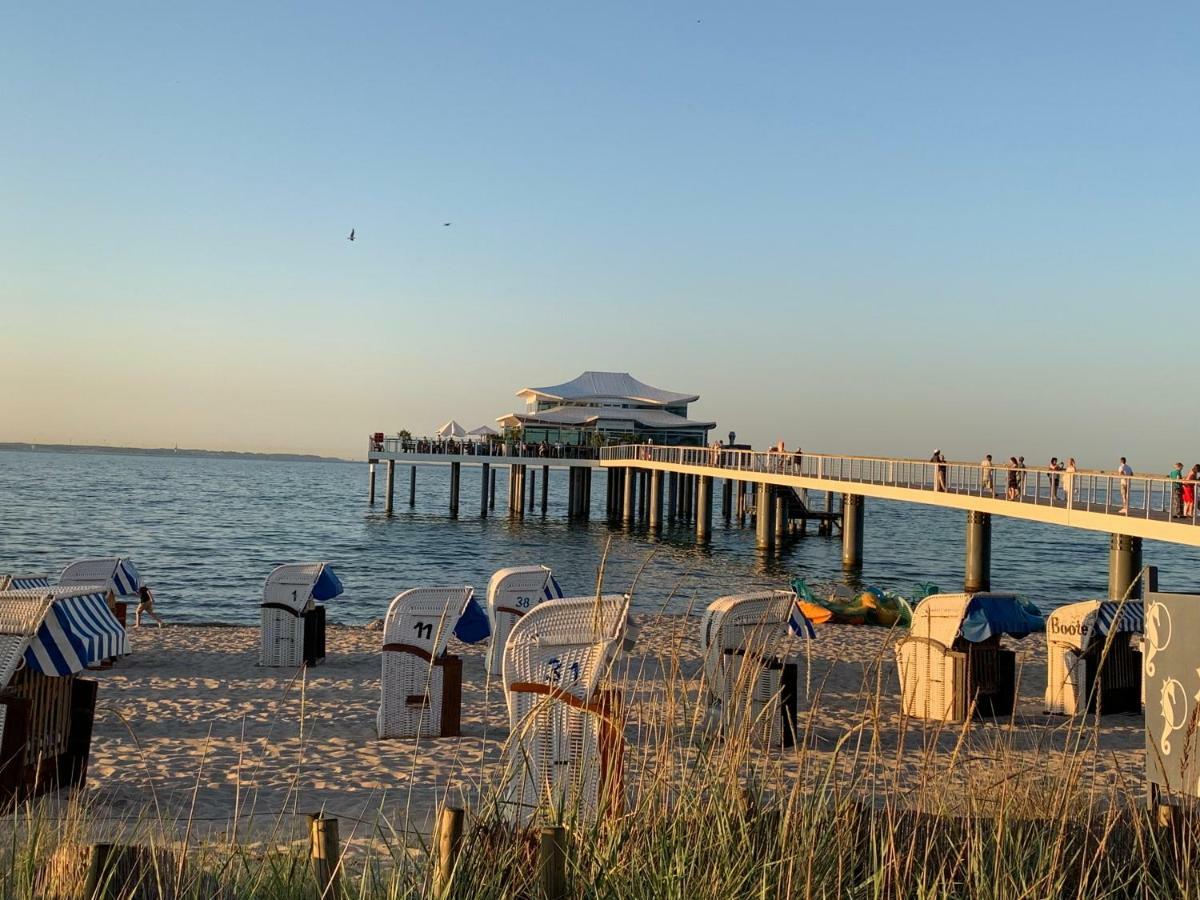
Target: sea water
{"x":205,"y":532}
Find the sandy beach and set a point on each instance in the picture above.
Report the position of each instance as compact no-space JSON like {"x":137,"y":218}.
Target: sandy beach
{"x":190,"y":729}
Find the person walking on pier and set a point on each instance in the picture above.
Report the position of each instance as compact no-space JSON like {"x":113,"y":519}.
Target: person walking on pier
{"x":1125,"y":471}
{"x":1189,"y":491}
{"x":1176,"y":476}
{"x":985,"y":474}
{"x":1014,"y":479}
{"x":1021,"y":475}
{"x":1069,"y":481}
{"x":939,"y":470}
{"x":1053,"y":479}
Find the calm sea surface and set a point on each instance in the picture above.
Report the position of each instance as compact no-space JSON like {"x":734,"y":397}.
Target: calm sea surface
{"x":206,"y":532}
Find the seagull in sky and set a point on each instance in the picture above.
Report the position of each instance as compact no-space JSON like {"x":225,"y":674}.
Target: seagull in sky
{"x":445,"y":224}
{"x":351,"y":235}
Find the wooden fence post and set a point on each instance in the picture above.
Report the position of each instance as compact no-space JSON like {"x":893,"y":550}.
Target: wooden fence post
{"x":326,"y":854}
{"x":449,"y":840}
{"x":552,"y":863}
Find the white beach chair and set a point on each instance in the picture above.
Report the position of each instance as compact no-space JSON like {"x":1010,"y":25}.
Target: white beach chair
{"x":565,"y":749}
{"x":512,"y":593}
{"x":1075,"y":639}
{"x":421,"y":686}
{"x":293,"y":623}
{"x":750,"y":648}
{"x":116,"y":573}
{"x":944,"y":670}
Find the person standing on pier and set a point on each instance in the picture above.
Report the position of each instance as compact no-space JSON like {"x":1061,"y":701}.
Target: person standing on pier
{"x":1053,"y":479}
{"x":1176,"y":476}
{"x":1189,"y":491}
{"x":1014,"y":479}
{"x":1125,"y":471}
{"x":939,"y":470}
{"x":1069,"y":481}
{"x":985,"y":475}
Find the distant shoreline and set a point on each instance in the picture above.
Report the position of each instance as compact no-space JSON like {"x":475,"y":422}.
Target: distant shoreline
{"x":26,"y":447}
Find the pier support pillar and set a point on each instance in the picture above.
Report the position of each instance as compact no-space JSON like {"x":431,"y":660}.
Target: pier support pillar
{"x":391,"y":486}
{"x":726,"y":498}
{"x":672,"y":495}
{"x":704,"y":497}
{"x":853,"y":507}
{"x":781,"y":515}
{"x":587,"y":494}
{"x":979,"y":552}
{"x":545,"y":489}
{"x":741,"y":503}
{"x":643,"y":495}
{"x":764,"y":526}
{"x":688,"y":497}
{"x":371,"y":484}
{"x":483,"y":489}
{"x":656,"y":500}
{"x":491,"y":489}
{"x":1124,"y":566}
{"x":627,"y":495}
{"x":455,"y":475}
{"x":532,"y":488}
{"x":412,"y":485}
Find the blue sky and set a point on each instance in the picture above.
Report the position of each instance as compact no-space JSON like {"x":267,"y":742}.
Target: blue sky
{"x":861,"y":228}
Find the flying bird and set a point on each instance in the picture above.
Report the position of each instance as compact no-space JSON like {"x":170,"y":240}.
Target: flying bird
{"x":351,"y":235}
{"x":445,"y":224}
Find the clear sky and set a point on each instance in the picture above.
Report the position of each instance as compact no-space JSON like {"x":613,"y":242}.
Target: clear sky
{"x":871,"y":228}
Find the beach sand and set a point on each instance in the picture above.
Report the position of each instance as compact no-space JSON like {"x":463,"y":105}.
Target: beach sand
{"x":190,"y":729}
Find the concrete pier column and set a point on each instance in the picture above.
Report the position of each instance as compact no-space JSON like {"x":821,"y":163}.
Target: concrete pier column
{"x":689,"y":497}
{"x":672,"y":495}
{"x":371,"y":484}
{"x":514,"y":488}
{"x":545,"y":489}
{"x":483,"y":488}
{"x":587,"y":493}
{"x":1124,"y":566}
{"x":532,"y":488}
{"x":781,"y":515}
{"x":741,"y":502}
{"x":391,"y":486}
{"x":979,"y":552}
{"x":519,"y":497}
{"x":826,"y":526}
{"x":643,"y":495}
{"x":704,"y":497}
{"x":764,"y":526}
{"x":627,"y":493}
{"x":656,"y":500}
{"x":853,"y":508}
{"x":726,"y":499}
{"x":412,"y":485}
{"x":491,"y":489}
{"x":455,"y":475}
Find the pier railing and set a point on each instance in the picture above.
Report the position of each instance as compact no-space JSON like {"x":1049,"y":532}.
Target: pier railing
{"x":462,"y":448}
{"x":1147,"y":496}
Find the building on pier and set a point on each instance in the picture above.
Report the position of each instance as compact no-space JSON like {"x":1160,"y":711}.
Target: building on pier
{"x":606,"y":407}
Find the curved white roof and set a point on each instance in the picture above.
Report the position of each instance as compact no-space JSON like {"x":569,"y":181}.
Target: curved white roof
{"x":620,"y":385}
{"x":586,"y":415}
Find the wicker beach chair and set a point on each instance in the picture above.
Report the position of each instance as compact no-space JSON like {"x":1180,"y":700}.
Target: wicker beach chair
{"x":46,"y":712}
{"x":293,"y":622}
{"x":1075,"y":639}
{"x":421,"y":686}
{"x":952,"y":657}
{"x":23,"y":582}
{"x":512,"y":593}
{"x":750,"y":650}
{"x":565,"y":744}
{"x":116,"y":573}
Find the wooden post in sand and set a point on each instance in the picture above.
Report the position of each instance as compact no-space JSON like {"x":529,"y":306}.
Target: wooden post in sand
{"x":326,"y":854}
{"x":552,"y":863}
{"x":449,"y":841}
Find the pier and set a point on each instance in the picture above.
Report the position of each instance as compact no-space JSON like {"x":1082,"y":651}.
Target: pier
{"x":1129,"y":509}
{"x":652,"y":486}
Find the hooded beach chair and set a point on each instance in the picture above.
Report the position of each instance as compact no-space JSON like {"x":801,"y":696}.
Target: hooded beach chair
{"x":511,"y":594}
{"x":565,"y":746}
{"x":114,"y":573}
{"x":421,"y":685}
{"x":47,"y":637}
{"x":750,"y":647}
{"x":23,"y":582}
{"x":952,"y":656}
{"x":1076,"y":635}
{"x":293,"y":621}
